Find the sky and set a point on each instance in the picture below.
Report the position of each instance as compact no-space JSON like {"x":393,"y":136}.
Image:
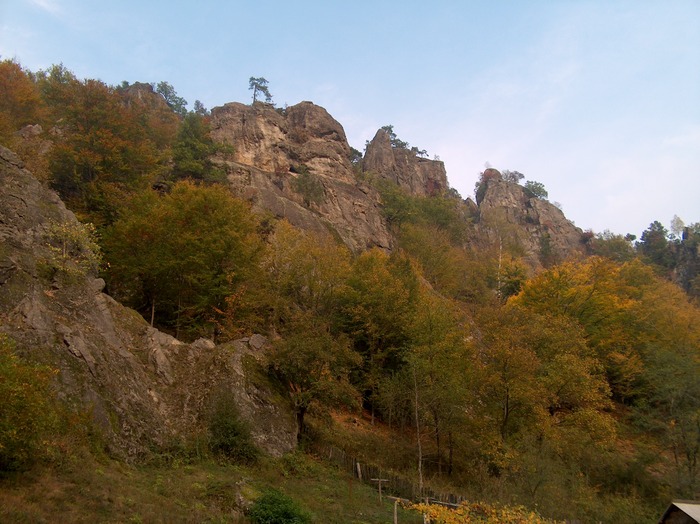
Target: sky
{"x":599,"y":100}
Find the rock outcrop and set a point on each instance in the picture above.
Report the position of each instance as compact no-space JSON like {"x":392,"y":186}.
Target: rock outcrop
{"x":419,"y":176}
{"x":530,"y":224}
{"x":143,"y":387}
{"x":295,"y":163}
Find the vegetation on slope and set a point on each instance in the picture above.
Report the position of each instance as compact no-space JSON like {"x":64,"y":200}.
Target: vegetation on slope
{"x":573,"y":391}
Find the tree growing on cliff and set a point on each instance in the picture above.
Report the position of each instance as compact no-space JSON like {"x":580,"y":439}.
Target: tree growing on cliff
{"x":175,"y":102}
{"x":395,"y":141}
{"x":537,"y":189}
{"x":259,"y":86}
{"x":512,"y":176}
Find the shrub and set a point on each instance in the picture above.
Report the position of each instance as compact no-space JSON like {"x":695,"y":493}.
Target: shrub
{"x":74,"y":250}
{"x":274,"y":507}
{"x":28,"y":416}
{"x":309,"y":186}
{"x":229,"y":436}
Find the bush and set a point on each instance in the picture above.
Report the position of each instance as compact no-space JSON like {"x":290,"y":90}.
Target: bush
{"x":28,"y":415}
{"x":274,"y":507}
{"x":309,"y":186}
{"x":229,"y":436}
{"x":74,"y":250}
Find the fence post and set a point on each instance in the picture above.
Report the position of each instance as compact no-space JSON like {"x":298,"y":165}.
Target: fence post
{"x":379,"y":481}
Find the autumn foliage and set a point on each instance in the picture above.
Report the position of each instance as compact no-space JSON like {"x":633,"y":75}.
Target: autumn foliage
{"x":572,"y":389}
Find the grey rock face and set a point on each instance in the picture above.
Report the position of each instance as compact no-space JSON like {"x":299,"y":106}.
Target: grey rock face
{"x":143,"y":387}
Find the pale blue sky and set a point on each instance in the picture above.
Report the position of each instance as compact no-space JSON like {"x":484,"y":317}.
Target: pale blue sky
{"x":599,"y":99}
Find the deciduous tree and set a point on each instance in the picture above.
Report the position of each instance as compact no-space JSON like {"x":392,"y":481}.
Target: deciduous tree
{"x":20,"y":101}
{"x":176,"y":257}
{"x":315,"y":366}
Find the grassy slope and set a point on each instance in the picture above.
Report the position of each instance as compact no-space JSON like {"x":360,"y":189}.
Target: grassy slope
{"x":88,"y":490}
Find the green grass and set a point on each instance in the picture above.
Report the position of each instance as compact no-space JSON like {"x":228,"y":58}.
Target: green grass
{"x":208,"y":491}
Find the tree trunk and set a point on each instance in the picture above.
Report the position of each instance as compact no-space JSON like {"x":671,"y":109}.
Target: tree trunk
{"x":450,"y":445}
{"x":436,"y":421}
{"x":301,"y":412}
{"x":420,"y":449}
{"x":506,"y":415}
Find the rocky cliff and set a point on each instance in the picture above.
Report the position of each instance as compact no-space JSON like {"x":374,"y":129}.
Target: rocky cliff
{"x":144,"y":388}
{"x":537,"y":229}
{"x":295,"y":163}
{"x":419,"y":176}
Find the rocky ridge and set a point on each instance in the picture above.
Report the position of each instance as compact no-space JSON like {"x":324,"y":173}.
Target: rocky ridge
{"x":274,"y":150}
{"x":419,"y":176}
{"x":532,"y":225}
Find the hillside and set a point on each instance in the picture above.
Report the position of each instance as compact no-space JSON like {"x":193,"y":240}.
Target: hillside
{"x":236,"y":285}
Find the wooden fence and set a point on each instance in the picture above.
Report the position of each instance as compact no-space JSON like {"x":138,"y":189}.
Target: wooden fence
{"x":393,"y":485}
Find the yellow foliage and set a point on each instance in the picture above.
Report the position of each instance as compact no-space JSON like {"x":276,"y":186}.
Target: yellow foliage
{"x":473,"y":512}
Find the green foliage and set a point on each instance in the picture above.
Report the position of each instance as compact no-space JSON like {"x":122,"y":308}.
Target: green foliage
{"x":536,"y":189}
{"x":176,"y":103}
{"x":229,"y":435}
{"x":309,"y":187}
{"x":672,"y":411}
{"x":193,"y":150}
{"x":376,"y":312}
{"x":653,"y":245}
{"x":28,"y":416}
{"x":274,"y":507}
{"x":615,"y":247}
{"x":259,"y":87}
{"x":441,"y":212}
{"x":314,"y":365}
{"x":548,"y":254}
{"x":485,"y":177}
{"x":355,"y":156}
{"x":303,"y":274}
{"x":73,"y":247}
{"x":510,"y":381}
{"x":176,"y":257}
{"x":395,"y":141}
{"x":54,"y":85}
{"x":199,"y":108}
{"x":397,"y":206}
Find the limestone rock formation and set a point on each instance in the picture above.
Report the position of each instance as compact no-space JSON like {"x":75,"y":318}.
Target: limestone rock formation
{"x":419,"y":176}
{"x":143,"y":387}
{"x":533,"y":225}
{"x":295,"y":164}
